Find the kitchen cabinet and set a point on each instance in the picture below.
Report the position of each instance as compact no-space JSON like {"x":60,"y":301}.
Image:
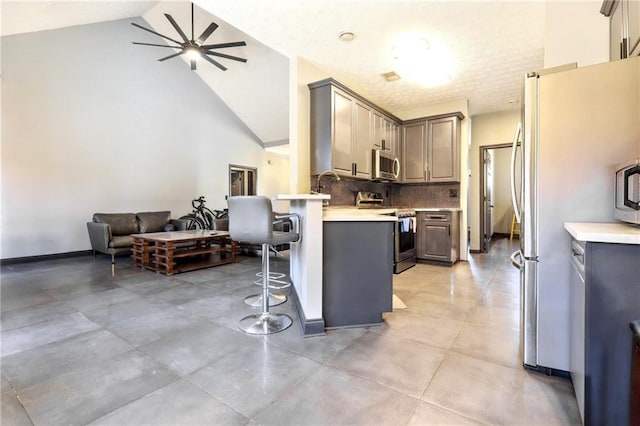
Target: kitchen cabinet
{"x":430,"y":149}
{"x":443,"y":144}
{"x":414,"y":153}
{"x":624,"y":27}
{"x":345,"y":127}
{"x":386,"y":134}
{"x":605,"y":295}
{"x":357,"y":273}
{"x":438,"y":235}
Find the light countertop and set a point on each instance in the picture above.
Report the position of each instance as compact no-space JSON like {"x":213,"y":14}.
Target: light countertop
{"x":352,"y":214}
{"x":617,"y":233}
{"x":438,"y":209}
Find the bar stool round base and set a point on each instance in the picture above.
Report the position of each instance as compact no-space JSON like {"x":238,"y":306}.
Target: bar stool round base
{"x":255,"y":300}
{"x":265,"y":323}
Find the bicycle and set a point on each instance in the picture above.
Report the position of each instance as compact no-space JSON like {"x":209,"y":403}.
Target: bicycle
{"x":201,"y":217}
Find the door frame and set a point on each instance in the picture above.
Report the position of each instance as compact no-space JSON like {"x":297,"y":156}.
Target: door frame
{"x":483,"y":178}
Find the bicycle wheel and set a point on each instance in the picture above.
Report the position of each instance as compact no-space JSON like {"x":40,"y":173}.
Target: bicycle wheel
{"x":193,"y":222}
{"x":208,"y":220}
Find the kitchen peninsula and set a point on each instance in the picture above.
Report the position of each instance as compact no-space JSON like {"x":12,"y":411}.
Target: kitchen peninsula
{"x":342,"y":268}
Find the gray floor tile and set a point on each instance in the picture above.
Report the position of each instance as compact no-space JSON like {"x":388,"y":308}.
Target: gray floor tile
{"x":332,"y":397}
{"x":404,"y":365}
{"x":429,"y":414}
{"x":12,"y":412}
{"x":37,"y":365}
{"x":501,"y":395}
{"x":434,"y":331}
{"x":253,"y":377}
{"x":441,"y":306}
{"x":83,"y":395}
{"x":187,"y":350}
{"x":186,"y":325}
{"x":319,"y":348}
{"x":179,"y":403}
{"x":104,"y":298}
{"x":499,"y":345}
{"x":124,"y":311}
{"x":143,"y":329}
{"x":33,"y":315}
{"x":184,"y":293}
{"x":56,"y":329}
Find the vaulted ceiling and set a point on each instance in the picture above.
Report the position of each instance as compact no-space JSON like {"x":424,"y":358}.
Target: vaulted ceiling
{"x":493,"y":45}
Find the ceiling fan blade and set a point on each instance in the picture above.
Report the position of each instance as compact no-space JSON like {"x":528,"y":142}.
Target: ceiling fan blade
{"x":206,"y":33}
{"x":222,"y":55}
{"x":216,"y":63}
{"x":158,"y":45}
{"x":170,"y":56}
{"x":153,"y":32}
{"x":222,"y":45}
{"x":177,"y":27}
{"x":193,"y":65}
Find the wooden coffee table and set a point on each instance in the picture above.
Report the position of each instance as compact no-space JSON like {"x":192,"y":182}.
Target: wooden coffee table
{"x":180,"y":251}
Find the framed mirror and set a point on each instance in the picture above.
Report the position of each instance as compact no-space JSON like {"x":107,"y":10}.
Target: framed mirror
{"x":242,"y":180}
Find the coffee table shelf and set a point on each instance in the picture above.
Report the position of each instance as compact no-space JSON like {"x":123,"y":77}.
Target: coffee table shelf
{"x":181,"y":251}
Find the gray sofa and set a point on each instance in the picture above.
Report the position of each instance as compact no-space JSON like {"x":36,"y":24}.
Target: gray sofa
{"x":110,"y":233}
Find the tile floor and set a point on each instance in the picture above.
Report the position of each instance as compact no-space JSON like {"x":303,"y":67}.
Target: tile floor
{"x":79,"y":347}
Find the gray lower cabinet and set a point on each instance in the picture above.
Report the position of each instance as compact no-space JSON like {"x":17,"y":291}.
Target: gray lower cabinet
{"x":357,"y":281}
{"x":438,"y":236}
{"x":605,"y":299}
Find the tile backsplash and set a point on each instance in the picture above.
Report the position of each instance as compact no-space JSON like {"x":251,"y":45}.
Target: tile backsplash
{"x":343,"y":193}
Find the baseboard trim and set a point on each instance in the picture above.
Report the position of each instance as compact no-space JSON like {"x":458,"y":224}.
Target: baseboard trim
{"x":39,"y":258}
{"x":309,"y":327}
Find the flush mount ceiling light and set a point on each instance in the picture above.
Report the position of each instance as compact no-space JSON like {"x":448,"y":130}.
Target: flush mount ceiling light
{"x":193,"y":48}
{"x":346,"y":36}
{"x":423,"y":60}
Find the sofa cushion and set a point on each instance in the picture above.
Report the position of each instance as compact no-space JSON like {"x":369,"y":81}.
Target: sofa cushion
{"x":153,"y":221}
{"x":121,"y":241}
{"x":120,"y":223}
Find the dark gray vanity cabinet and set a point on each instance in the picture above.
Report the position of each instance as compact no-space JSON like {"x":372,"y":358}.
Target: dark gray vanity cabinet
{"x":438,"y":236}
{"x":605,"y":299}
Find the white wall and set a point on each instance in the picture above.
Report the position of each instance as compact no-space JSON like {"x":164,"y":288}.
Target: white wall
{"x":575,"y":31}
{"x":93,"y":123}
{"x":488,"y":129}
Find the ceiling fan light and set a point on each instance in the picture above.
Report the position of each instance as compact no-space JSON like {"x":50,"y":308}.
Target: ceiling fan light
{"x":193,"y":53}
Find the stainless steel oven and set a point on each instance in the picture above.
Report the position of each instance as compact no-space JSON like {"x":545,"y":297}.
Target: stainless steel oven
{"x":404,"y":241}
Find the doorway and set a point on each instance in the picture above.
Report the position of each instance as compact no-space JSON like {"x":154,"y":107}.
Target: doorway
{"x":495,"y":193}
{"x":242,"y":180}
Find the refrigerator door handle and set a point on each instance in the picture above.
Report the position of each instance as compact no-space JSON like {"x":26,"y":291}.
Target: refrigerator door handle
{"x":514,"y":149}
{"x":514,"y":262}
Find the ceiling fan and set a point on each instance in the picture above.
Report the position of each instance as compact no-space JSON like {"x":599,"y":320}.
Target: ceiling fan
{"x":194,"y":48}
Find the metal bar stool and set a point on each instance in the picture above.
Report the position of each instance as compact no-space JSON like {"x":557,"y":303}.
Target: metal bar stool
{"x":251,"y":221}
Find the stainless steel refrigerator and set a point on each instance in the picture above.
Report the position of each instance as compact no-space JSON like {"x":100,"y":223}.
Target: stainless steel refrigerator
{"x":578,"y":124}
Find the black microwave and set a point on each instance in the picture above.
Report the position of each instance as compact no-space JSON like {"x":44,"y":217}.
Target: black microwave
{"x":627,"y":192}
{"x":384,"y":166}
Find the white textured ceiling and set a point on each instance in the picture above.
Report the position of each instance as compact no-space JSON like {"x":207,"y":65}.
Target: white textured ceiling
{"x":493,"y":43}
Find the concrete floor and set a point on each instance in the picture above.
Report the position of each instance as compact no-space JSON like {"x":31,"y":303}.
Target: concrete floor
{"x":80,"y":347}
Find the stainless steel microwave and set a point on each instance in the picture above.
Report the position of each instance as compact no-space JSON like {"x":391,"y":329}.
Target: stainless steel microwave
{"x":385,"y":166}
{"x":627,"y":198}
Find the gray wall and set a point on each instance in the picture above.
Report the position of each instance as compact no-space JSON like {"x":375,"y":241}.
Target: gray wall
{"x":93,"y":123}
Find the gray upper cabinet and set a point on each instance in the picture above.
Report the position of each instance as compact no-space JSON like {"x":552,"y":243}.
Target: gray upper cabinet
{"x":430,"y":149}
{"x":624,"y":27}
{"x":443,"y":144}
{"x":414,"y":153}
{"x":344,"y":130}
